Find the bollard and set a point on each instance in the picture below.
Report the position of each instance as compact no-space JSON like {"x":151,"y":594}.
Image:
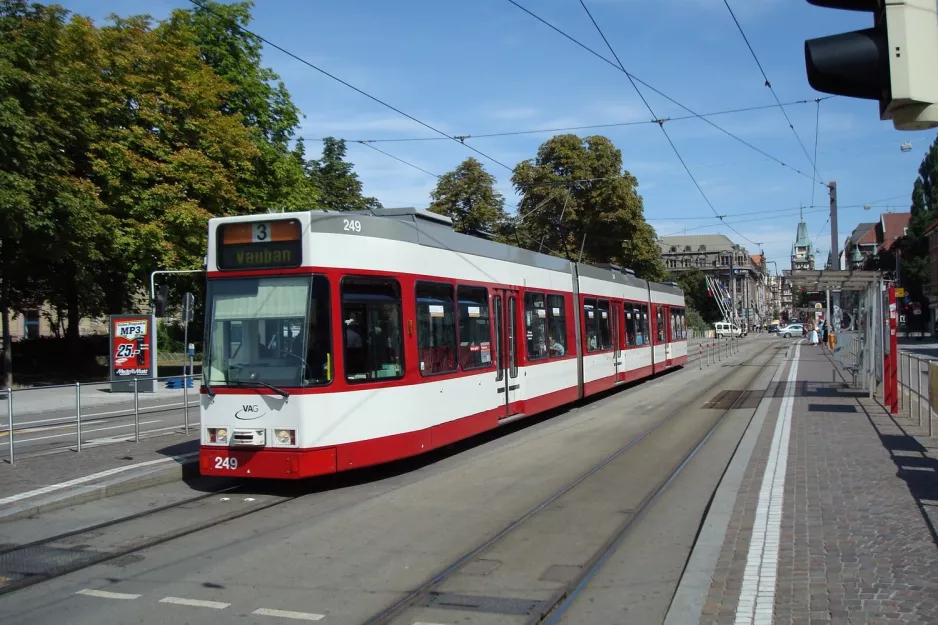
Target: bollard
{"x":136,"y":413}
{"x":699,"y":357}
{"x":78,"y":412}
{"x":185,"y":400}
{"x":10,"y":419}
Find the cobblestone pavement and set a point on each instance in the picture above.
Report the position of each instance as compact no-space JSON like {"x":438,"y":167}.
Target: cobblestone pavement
{"x":858,"y":542}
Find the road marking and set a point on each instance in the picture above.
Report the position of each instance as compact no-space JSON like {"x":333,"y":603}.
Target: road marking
{"x":103,"y":594}
{"x":196,"y":603}
{"x":298,"y":616}
{"x":95,"y":476}
{"x":757,"y":596}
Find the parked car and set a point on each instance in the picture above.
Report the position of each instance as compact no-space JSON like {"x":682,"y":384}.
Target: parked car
{"x":724,"y":328}
{"x":789,"y":331}
{"x":773,"y":327}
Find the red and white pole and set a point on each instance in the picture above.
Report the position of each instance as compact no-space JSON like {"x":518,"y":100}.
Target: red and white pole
{"x":891,"y":364}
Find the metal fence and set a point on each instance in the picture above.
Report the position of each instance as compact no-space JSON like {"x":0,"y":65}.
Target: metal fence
{"x":76,"y":419}
{"x":710,"y":351}
{"x":913,"y":388}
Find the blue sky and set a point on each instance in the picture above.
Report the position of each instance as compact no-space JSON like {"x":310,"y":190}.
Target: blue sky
{"x":483,"y":66}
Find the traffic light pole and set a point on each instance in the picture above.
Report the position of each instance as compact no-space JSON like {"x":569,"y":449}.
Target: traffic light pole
{"x":835,"y":257}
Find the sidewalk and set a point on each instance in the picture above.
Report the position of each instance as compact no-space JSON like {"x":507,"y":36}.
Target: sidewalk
{"x":47,"y":482}
{"x":831,"y":520}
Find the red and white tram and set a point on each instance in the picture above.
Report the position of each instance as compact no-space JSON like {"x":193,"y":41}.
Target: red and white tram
{"x":342,"y":340}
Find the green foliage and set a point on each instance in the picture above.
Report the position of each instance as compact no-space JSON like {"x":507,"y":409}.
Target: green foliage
{"x":340,"y":188}
{"x":468,"y":196}
{"x":577,"y":196}
{"x":696,"y":321}
{"x":694,"y":284}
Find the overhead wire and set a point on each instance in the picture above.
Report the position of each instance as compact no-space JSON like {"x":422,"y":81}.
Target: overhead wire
{"x":768,"y":84}
{"x":511,"y":133}
{"x":347,"y":84}
{"x":396,"y":158}
{"x":660,"y":93}
{"x":661,"y":124}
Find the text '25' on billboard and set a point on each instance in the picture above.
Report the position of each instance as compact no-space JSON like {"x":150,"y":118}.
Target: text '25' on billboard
{"x":130,"y":346}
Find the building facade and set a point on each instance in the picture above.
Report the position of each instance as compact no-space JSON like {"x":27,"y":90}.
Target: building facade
{"x":717,"y":256}
{"x":802,"y":251}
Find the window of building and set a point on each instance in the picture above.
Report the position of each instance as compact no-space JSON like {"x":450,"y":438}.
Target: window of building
{"x":605,"y":335}
{"x":436,"y":328}
{"x":371,"y":314}
{"x":556,"y":325}
{"x":31,"y":319}
{"x":535,"y":324}
{"x":591,"y":323}
{"x":475,"y":347}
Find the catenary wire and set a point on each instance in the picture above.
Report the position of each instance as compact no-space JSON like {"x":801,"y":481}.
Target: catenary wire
{"x":660,"y":125}
{"x":768,"y":84}
{"x":339,"y":80}
{"x":511,"y":133}
{"x":400,"y":160}
{"x":663,"y":95}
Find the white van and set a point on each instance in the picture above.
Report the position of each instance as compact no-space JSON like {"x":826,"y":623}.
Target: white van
{"x":724,"y":328}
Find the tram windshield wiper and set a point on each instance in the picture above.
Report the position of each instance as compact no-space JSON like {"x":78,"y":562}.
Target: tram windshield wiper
{"x":209,"y":389}
{"x":279,"y":391}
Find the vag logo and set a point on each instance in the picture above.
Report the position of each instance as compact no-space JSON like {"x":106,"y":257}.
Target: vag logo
{"x":249,"y":412}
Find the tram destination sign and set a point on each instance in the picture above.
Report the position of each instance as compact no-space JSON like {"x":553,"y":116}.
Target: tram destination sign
{"x":260,"y":245}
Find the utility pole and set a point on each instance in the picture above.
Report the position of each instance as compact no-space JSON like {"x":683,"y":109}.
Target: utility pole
{"x":733,"y":284}
{"x":835,"y":255}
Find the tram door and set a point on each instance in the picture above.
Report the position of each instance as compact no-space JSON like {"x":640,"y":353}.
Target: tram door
{"x":505,"y":304}
{"x":668,"y":335}
{"x":616,"y":329}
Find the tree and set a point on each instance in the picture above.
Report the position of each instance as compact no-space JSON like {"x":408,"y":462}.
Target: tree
{"x":468,"y":196}
{"x":256,"y":95}
{"x":123,"y":150}
{"x":694,"y":284}
{"x":339,"y":186}
{"x":576,"y":196}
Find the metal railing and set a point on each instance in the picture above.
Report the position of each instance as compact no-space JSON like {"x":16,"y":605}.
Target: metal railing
{"x":714,"y":350}
{"x":913,"y":392}
{"x":83,"y":414}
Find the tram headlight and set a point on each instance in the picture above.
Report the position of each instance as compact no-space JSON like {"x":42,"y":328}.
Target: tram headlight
{"x":217,"y":436}
{"x":285,"y":437}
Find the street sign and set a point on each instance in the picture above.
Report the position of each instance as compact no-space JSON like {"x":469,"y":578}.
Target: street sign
{"x":818,"y":306}
{"x":900,"y":292}
{"x":916,"y":306}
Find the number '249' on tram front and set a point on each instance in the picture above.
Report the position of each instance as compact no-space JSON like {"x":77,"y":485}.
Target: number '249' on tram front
{"x":341,"y":340}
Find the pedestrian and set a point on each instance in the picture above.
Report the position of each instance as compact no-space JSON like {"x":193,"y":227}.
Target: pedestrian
{"x":812,"y":337}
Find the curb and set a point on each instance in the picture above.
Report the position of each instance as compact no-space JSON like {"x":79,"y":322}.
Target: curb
{"x":112,"y":487}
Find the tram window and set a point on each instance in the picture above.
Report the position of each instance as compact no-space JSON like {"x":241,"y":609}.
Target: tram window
{"x":683,"y":326}
{"x":535,"y":325}
{"x":641,"y":324}
{"x":556,"y":326}
{"x":590,"y":319}
{"x":475,"y":335}
{"x":319,"y":350}
{"x":436,"y":328}
{"x":371,"y":315}
{"x":630,"y":321}
{"x":605,"y":336}
{"x":659,"y":318}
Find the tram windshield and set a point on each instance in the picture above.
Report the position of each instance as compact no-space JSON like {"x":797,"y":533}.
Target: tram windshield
{"x":268,"y":331}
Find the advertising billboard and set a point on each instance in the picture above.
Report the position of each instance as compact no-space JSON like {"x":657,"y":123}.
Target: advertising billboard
{"x":131,"y":354}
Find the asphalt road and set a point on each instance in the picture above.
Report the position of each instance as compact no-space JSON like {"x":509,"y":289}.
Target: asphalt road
{"x":343,"y":548}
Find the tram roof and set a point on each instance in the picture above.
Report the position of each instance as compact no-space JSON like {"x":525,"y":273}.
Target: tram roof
{"x":419,"y":226}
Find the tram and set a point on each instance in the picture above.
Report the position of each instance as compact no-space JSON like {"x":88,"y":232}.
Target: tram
{"x":341,"y":340}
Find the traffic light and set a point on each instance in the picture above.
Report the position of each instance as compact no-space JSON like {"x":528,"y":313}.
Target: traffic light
{"x":162,"y":297}
{"x":892,"y":62}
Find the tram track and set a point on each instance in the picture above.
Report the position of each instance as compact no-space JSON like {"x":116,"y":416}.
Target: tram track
{"x":23,"y":565}
{"x":552,"y":609}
